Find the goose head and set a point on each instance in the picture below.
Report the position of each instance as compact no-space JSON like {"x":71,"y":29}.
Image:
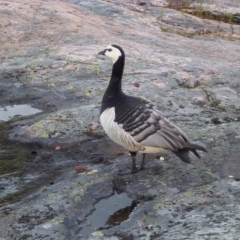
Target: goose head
{"x":114,"y":52}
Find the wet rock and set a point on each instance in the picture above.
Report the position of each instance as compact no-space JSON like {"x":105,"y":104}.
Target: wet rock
{"x":14,"y":68}
{"x":186,"y":64}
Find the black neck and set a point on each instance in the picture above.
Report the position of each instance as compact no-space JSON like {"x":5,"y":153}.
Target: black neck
{"x":115,"y":84}
{"x":114,"y":89}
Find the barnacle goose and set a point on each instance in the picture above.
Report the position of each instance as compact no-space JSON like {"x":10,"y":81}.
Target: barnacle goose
{"x":137,"y":124}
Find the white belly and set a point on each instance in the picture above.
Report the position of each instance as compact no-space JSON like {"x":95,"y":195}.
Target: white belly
{"x":116,"y":133}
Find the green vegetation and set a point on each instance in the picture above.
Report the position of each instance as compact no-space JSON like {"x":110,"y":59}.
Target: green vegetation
{"x":15,"y":156}
{"x":200,"y":10}
{"x":16,"y":159}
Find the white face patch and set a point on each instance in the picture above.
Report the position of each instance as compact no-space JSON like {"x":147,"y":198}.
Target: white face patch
{"x":113,"y":53}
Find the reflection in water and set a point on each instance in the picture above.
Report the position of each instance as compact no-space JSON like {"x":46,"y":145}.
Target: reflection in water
{"x":108,"y":213}
{"x":120,"y":216}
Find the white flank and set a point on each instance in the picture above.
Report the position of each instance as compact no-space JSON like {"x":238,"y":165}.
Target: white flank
{"x":153,"y":150}
{"x":116,"y":133}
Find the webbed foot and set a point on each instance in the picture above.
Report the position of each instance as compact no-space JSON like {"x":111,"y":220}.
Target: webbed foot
{"x":134,"y":169}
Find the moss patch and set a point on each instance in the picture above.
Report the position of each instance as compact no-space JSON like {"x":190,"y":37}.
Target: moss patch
{"x":15,"y":156}
{"x":16,"y":159}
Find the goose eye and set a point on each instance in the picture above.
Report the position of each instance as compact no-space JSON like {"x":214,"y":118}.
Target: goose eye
{"x":110,"y":50}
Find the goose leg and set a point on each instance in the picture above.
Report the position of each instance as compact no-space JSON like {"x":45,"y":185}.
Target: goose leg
{"x":134,"y":168}
{"x":143,"y":162}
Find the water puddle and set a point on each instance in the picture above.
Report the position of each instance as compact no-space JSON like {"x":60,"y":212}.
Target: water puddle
{"x":8,"y":112}
{"x":108,"y":213}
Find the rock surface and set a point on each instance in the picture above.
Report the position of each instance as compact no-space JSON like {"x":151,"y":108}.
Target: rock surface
{"x":58,"y":164}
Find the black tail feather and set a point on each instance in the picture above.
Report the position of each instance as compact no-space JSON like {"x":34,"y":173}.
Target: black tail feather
{"x":196,"y":153}
{"x":193,"y":147}
{"x":183,"y":155}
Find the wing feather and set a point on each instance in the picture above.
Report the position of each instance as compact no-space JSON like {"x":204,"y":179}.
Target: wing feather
{"x":158,"y":141}
{"x":146,"y":124}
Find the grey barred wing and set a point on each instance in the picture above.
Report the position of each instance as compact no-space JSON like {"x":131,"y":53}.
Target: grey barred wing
{"x":146,"y":124}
